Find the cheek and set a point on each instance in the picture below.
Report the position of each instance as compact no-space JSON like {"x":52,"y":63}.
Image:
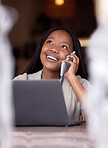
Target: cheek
{"x":43,"y":56}
{"x":42,"y":51}
{"x":63,"y":55}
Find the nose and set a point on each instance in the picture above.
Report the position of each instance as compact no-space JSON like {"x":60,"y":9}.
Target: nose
{"x":54,"y":50}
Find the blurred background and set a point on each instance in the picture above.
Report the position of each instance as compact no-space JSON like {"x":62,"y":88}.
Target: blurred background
{"x":37,"y":16}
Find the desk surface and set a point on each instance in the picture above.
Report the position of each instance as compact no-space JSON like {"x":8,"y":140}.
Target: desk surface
{"x":51,"y":137}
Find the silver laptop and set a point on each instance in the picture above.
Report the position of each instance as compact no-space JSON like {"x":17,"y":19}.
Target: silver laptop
{"x":39,"y":102}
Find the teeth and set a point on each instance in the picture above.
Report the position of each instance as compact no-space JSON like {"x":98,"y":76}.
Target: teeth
{"x":50,"y":57}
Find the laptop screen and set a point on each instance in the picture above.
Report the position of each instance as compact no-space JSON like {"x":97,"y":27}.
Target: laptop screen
{"x":39,"y":102}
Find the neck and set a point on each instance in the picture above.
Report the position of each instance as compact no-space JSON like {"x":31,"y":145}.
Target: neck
{"x":47,"y":74}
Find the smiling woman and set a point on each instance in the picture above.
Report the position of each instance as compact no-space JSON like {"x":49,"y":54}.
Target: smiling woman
{"x":53,"y":48}
{"x":35,"y":64}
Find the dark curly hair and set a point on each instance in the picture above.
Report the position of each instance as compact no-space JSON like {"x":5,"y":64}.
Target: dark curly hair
{"x":35,"y":64}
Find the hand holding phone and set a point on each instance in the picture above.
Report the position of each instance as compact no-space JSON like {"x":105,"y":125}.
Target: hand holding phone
{"x":65,"y":66}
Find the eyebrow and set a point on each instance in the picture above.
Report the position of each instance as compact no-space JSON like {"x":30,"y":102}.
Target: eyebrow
{"x":50,"y":38}
{"x":66,"y":43}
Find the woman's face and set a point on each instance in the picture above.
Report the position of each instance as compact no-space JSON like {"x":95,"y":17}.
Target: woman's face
{"x":57,"y":46}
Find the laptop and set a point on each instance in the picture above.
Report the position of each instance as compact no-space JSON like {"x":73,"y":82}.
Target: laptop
{"x":39,"y":103}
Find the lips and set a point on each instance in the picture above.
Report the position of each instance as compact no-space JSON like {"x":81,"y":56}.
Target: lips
{"x":52,"y":58}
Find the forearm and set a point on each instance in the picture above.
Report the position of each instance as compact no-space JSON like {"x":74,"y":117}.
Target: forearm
{"x":77,"y":87}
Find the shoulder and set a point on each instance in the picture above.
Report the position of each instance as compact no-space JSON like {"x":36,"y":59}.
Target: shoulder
{"x":21,"y":77}
{"x":25,"y":76}
{"x":35,"y":76}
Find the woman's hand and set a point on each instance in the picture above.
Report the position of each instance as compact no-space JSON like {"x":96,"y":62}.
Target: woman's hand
{"x":73,"y":65}
{"x":72,"y":78}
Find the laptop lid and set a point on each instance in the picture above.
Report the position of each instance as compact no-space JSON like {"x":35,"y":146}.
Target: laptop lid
{"x":39,"y":102}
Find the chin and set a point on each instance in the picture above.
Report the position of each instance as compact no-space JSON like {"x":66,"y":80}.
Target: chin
{"x":50,"y":68}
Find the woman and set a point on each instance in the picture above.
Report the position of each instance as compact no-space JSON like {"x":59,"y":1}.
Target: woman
{"x":54,"y":47}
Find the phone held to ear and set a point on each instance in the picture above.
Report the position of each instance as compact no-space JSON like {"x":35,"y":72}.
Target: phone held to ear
{"x":65,"y":66}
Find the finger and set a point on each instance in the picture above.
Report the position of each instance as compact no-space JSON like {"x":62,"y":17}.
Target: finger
{"x":74,"y":57}
{"x":76,"y":60}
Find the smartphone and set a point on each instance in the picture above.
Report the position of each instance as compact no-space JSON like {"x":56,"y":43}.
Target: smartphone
{"x":65,"y":66}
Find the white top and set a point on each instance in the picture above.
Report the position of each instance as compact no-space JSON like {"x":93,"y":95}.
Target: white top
{"x":72,"y":104}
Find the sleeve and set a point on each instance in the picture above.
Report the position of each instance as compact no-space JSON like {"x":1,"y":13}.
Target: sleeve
{"x":87,"y":85}
{"x":21,"y":77}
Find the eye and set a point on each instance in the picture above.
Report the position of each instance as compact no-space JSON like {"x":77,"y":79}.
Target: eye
{"x":64,"y":47}
{"x":50,"y":42}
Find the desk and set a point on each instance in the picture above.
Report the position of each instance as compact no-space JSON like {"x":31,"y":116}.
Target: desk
{"x":51,"y":137}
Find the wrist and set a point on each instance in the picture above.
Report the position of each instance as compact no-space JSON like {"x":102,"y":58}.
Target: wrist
{"x":71,"y":77}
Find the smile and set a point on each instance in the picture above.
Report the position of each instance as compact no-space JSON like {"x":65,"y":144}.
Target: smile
{"x":52,"y":58}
